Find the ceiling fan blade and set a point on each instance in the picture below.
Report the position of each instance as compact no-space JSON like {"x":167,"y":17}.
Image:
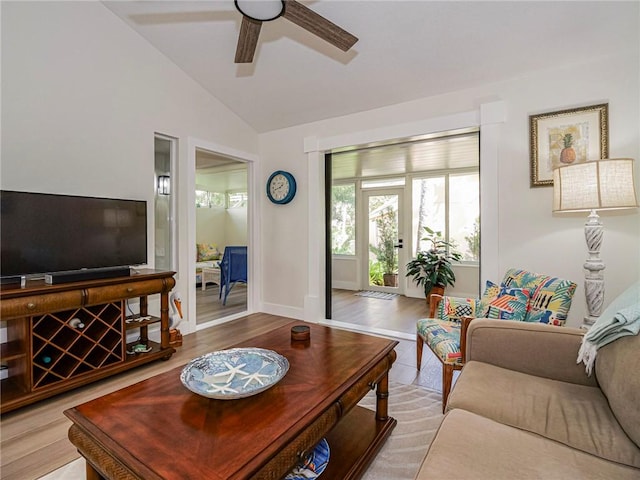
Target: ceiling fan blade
{"x":247,"y":40}
{"x":318,"y":25}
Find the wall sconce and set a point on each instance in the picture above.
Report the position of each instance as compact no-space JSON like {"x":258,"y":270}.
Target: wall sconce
{"x":164,"y":185}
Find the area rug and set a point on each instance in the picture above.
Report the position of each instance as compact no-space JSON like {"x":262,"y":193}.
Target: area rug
{"x":418,"y":412}
{"x":380,"y":295}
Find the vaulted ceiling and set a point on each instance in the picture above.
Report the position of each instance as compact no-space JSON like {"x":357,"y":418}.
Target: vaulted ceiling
{"x":406,"y":50}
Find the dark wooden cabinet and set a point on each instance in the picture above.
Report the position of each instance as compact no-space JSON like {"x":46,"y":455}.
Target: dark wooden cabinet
{"x":63,"y":336}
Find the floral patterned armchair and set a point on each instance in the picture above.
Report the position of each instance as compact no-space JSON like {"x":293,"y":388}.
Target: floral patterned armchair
{"x":521,"y":296}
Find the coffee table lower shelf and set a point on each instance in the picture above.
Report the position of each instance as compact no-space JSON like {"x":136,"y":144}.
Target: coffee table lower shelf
{"x":354,"y":443}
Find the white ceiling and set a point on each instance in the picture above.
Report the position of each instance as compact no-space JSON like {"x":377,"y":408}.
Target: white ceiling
{"x":406,"y":50}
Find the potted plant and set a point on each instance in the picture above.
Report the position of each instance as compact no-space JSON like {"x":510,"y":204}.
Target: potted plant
{"x":385,"y":251}
{"x":432,"y":268}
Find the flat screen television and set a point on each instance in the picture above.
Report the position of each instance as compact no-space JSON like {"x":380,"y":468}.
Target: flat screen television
{"x":45,"y":233}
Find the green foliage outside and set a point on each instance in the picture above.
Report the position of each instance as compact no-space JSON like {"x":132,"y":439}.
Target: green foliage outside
{"x":343,"y":219}
{"x":473,"y":241}
{"x":375,"y":273}
{"x":385,"y":252}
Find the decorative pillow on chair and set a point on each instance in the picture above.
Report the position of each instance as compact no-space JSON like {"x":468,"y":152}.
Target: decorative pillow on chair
{"x":510,"y":304}
{"x":452,"y":309}
{"x":550,"y":301}
{"x":207,"y":252}
{"x":491,"y":292}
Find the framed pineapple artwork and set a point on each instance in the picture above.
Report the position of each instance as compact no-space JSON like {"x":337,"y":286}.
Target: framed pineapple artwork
{"x":567,"y":136}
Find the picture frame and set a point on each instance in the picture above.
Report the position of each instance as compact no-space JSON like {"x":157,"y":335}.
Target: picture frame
{"x":567,"y":136}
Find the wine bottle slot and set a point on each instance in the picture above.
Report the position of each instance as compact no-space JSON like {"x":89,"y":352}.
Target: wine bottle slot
{"x":46,"y":359}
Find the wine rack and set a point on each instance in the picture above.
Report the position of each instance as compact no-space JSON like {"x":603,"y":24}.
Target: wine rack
{"x":63,"y":336}
{"x":61,"y":351}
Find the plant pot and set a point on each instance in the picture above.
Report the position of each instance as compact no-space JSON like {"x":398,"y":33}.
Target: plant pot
{"x":437,"y":289}
{"x":390,"y":279}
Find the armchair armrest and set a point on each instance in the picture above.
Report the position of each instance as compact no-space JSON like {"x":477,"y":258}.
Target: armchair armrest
{"x":533,"y":348}
{"x":434,"y":301}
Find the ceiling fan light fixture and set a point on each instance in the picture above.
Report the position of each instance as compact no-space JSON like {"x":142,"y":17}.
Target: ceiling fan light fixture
{"x":260,"y":10}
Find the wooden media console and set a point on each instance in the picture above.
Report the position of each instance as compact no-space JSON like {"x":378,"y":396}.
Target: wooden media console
{"x":62,"y":336}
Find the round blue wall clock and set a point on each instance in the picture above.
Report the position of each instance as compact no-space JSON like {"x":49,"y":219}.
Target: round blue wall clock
{"x":281,"y":187}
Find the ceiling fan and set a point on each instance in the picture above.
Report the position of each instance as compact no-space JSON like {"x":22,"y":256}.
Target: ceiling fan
{"x":255,"y":12}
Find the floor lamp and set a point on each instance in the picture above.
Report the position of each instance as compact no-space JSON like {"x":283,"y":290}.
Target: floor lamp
{"x":606,"y":184}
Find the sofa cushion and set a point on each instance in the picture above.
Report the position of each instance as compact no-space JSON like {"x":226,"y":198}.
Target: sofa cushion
{"x":575,"y":415}
{"x":468,"y":446}
{"x":617,"y":367}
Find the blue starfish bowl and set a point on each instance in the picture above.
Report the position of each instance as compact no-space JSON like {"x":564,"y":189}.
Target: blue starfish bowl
{"x":234,"y":373}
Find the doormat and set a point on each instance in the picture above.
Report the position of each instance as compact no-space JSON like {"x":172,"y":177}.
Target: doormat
{"x":380,"y":295}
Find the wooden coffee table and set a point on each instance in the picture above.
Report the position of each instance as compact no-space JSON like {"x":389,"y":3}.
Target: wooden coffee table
{"x":157,"y":429}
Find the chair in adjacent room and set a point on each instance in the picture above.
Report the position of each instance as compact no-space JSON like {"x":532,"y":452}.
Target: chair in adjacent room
{"x":522,"y":296}
{"x":233,"y":269}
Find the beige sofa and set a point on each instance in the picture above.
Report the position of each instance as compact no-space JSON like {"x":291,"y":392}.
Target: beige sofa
{"x":523,"y":408}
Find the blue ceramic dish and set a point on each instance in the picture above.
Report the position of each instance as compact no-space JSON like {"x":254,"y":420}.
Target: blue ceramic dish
{"x":234,"y":373}
{"x":314,"y":464}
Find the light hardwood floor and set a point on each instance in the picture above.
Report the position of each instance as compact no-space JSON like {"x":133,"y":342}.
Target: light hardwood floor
{"x":209,"y":306}
{"x":34,"y":439}
{"x":398,"y":314}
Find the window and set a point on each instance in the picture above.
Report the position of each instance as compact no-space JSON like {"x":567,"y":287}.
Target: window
{"x":236,"y":199}
{"x":442,"y":172}
{"x":464,"y":214}
{"x":343,"y":219}
{"x":383,"y":182}
{"x":448,"y":203}
{"x":206,"y":199}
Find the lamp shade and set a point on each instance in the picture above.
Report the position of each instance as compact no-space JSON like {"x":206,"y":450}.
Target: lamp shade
{"x":606,"y":184}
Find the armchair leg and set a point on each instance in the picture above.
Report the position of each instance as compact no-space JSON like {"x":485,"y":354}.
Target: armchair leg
{"x":419,"y":345}
{"x":447,"y":378}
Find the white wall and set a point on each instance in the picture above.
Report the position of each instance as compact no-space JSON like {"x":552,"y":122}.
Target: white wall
{"x":528,"y":235}
{"x":210,"y":226}
{"x":221,"y":226}
{"x":83,"y":95}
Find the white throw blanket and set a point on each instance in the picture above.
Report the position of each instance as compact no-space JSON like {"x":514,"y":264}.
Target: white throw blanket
{"x":621,"y":318}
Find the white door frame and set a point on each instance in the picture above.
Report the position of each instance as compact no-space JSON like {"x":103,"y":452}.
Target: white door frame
{"x":488,"y":116}
{"x":254,"y":273}
{"x":364,"y":238}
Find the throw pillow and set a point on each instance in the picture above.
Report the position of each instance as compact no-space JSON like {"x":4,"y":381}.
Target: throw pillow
{"x":207,"y":252}
{"x":491,"y":292}
{"x":452,"y":309}
{"x":551,"y":300}
{"x":511,"y":304}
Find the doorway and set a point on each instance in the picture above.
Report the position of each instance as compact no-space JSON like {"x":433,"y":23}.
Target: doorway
{"x":164,"y":203}
{"x":383,"y":238}
{"x":221,"y":220}
{"x":368,"y":186}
